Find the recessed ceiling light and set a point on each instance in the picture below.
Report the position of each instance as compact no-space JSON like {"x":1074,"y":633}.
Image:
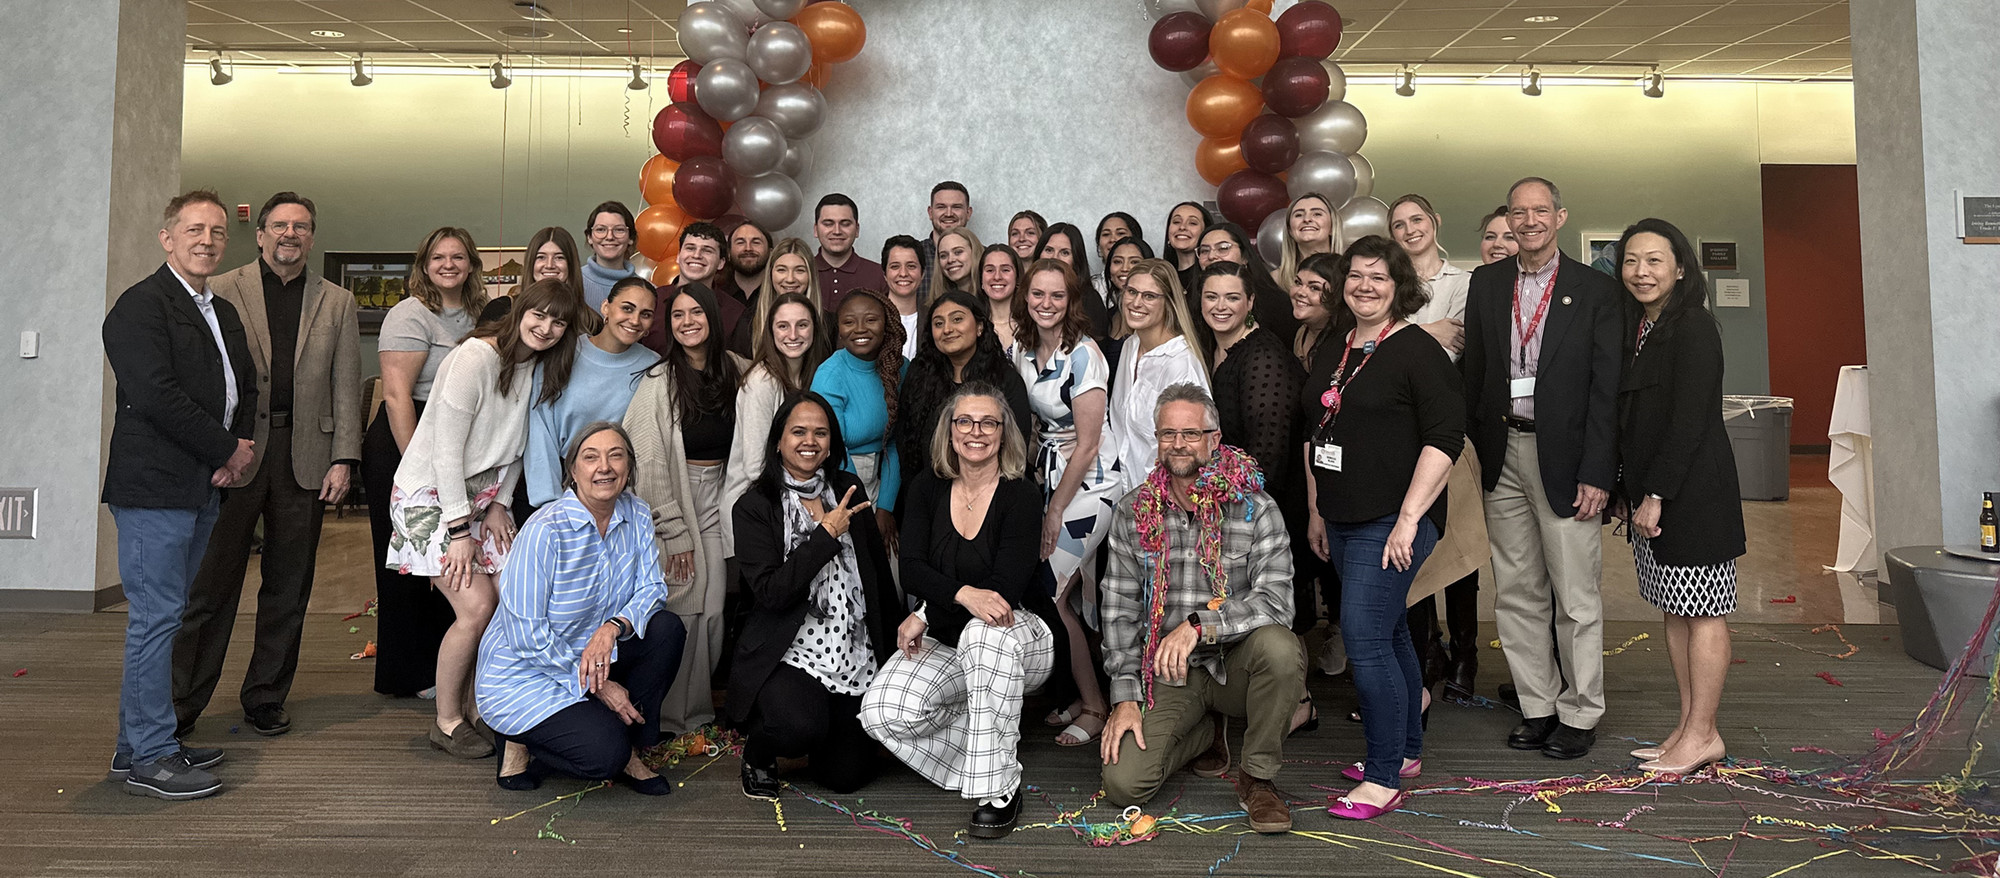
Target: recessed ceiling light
{"x":1509,"y":38}
{"x":329,"y":34}
{"x":1541,"y":19}
{"x":526,"y":32}
{"x":624,"y":30}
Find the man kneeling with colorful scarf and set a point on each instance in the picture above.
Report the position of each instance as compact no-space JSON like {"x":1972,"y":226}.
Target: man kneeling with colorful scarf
{"x":1197,"y":608}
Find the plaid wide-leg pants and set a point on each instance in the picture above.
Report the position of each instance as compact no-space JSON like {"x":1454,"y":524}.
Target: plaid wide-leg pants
{"x":954,"y":715}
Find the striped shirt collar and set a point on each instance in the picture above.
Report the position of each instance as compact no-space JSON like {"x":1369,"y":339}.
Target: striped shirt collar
{"x":577,"y":516}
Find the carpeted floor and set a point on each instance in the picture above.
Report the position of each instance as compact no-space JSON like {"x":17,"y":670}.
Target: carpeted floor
{"x":354,"y":790}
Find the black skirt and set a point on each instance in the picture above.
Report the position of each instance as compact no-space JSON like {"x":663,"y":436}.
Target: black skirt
{"x":411,"y":616}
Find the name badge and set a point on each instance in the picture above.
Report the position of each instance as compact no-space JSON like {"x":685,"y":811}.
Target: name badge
{"x":1327,"y":457}
{"x":1521,"y":388}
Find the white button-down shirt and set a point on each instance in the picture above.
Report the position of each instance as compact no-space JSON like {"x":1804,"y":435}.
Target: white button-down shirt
{"x":205,"y":301}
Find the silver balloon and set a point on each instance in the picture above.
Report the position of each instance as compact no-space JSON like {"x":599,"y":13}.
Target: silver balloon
{"x":1164,"y":8}
{"x":771,"y":201}
{"x":1364,"y":175}
{"x":1326,"y":174}
{"x":1335,"y":127}
{"x":779,"y":53}
{"x":1336,"y":78}
{"x":1202,"y":71}
{"x":709,"y":32}
{"x":746,"y":11}
{"x":1215,"y":8}
{"x":1271,"y":237}
{"x":798,"y":158}
{"x":779,"y":10}
{"x":726,"y":89}
{"x":797,"y":107}
{"x":753,"y":146}
{"x":1364,"y":216}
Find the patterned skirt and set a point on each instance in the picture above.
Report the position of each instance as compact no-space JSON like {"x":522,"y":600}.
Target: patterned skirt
{"x":419,"y":538}
{"x":1708,"y":590}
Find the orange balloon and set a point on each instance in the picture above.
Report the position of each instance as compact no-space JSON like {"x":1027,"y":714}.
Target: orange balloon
{"x":1263,"y":6}
{"x":1244,"y":43}
{"x":1221,"y":105}
{"x":660,"y":230}
{"x":656,"y":180}
{"x":818,"y":75}
{"x":1218,"y":157}
{"x":664,"y":272}
{"x":836,"y":32}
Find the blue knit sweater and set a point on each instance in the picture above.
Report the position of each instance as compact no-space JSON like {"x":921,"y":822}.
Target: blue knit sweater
{"x":601,"y":385}
{"x":855,"y":390}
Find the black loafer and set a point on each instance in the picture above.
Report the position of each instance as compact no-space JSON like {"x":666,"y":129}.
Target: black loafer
{"x":1532,"y":733}
{"x":1569,"y":742}
{"x":268,"y":720}
{"x":761,"y":783}
{"x":1510,"y":696}
{"x":649,"y":786}
{"x":995,"y":821}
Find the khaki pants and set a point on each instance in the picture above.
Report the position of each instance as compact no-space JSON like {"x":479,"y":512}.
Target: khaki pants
{"x":1546,"y":567}
{"x":1266,"y":672}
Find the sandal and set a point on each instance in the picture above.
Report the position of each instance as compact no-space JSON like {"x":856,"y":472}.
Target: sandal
{"x":1312,"y":718}
{"x":1059,"y":718}
{"x":1076,"y":734}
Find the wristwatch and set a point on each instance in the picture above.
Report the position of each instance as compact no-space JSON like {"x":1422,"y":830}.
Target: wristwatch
{"x":624,"y":627}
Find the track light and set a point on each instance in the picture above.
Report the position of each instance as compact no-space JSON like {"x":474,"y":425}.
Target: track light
{"x":216,"y":75}
{"x":500,"y":77}
{"x":1653,"y":84}
{"x":638,"y":82}
{"x":1406,"y":81}
{"x":360,"y":77}
{"x":1531,"y":82}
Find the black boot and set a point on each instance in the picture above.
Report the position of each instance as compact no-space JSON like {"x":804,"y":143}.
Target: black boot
{"x":1424,"y":637}
{"x":1461,"y":605}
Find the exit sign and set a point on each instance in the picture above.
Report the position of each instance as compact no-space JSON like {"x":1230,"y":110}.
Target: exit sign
{"x":17,"y":513}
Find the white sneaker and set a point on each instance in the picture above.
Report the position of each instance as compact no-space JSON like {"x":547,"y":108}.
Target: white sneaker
{"x":1333,"y":658}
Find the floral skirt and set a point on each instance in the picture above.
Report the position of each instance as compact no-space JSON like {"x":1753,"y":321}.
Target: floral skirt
{"x":417,"y":547}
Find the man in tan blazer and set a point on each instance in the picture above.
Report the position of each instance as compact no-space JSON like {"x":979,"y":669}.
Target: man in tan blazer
{"x":305,"y":338}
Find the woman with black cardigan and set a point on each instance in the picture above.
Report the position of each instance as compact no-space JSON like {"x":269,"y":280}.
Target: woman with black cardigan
{"x":1677,"y":479}
{"x":956,"y":345}
{"x":825,"y":611}
{"x":948,"y":703}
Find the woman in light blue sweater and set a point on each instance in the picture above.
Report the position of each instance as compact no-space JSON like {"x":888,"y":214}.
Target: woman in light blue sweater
{"x":860,"y":381}
{"x":607,"y":371}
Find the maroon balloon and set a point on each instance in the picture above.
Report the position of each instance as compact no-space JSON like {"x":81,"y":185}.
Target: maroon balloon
{"x":680,"y":82}
{"x":682,"y":131}
{"x":1270,"y":144}
{"x":1179,"y":41}
{"x":704,"y":187}
{"x":1296,"y":86}
{"x":1309,"y":29}
{"x":1248,"y":196}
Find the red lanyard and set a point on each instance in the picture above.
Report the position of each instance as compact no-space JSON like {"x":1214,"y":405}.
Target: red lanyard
{"x":1331,"y":398}
{"x":1541,"y":310}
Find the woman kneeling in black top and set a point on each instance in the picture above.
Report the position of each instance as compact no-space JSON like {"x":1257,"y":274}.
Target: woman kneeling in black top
{"x":949,"y":702}
{"x":825,"y":609}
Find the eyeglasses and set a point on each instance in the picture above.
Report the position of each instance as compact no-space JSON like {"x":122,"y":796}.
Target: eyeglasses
{"x":610,"y":231}
{"x":1144,"y":296}
{"x":281,"y":228}
{"x":1216,"y":249}
{"x":1182,"y":437}
{"x":975,"y":425}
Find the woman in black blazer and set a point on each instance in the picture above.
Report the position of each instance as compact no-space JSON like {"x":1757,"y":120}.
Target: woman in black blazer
{"x":825,"y":609}
{"x":1677,"y":478}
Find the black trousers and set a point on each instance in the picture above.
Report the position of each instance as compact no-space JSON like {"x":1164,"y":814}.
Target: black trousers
{"x":589,"y":740}
{"x":411,"y":616}
{"x":795,"y":716}
{"x":292,"y":517}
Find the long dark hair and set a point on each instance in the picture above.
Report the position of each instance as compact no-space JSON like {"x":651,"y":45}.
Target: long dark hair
{"x":1145,"y":252}
{"x":929,"y":383}
{"x":712,"y":388}
{"x":771,"y":483}
{"x":1079,"y":258}
{"x":1130,"y":223}
{"x":1689,"y":293}
{"x":590,"y":319}
{"x":817,"y":350}
{"x":1410,"y":293}
{"x":1167,"y":250}
{"x":551,"y":297}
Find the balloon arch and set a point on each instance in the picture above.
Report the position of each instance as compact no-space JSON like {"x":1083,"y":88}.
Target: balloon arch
{"x":1267,"y":101}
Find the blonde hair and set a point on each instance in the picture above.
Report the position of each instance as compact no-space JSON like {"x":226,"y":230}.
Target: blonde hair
{"x":471,"y":294}
{"x":1288,"y":263}
{"x":1013,"y":447}
{"x":977,"y":253}
{"x":1181,"y":322}
{"x":767,"y":295}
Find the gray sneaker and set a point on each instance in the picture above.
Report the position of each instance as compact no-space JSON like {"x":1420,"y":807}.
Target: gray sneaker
{"x":199,"y":757}
{"x":173,"y":778}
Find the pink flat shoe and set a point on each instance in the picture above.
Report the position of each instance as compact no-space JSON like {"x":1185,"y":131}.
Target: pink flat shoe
{"x":1354,"y":772}
{"x":1348,"y":810}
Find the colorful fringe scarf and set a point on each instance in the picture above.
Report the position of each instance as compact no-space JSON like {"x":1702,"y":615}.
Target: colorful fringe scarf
{"x":1230,"y":477}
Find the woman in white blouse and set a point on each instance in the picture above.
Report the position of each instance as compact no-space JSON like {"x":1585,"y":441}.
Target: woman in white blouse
{"x":1414,"y":226}
{"x":1159,"y":350}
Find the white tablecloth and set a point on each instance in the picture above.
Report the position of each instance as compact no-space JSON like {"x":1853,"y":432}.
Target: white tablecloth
{"x":1851,"y":468}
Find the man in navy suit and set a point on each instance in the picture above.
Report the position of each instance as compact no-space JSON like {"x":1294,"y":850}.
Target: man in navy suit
{"x":1541,"y":389}
{"x":187,"y":397}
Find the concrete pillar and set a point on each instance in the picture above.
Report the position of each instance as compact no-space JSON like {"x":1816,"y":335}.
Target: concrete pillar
{"x":93,"y":139}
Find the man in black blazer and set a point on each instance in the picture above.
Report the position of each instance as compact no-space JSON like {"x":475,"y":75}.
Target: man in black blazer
{"x":1541,"y":390}
{"x":187,"y":397}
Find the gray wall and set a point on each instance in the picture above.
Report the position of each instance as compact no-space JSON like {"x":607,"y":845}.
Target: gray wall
{"x":93,"y":143}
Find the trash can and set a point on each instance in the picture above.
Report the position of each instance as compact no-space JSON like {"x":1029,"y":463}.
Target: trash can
{"x":1760,"y":432}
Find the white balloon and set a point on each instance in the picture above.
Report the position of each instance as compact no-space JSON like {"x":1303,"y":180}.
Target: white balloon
{"x":798,"y":158}
{"x":797,"y":107}
{"x":1271,"y":237}
{"x":1364,"y":216}
{"x":1322,"y":173}
{"x":710,"y":32}
{"x":726,"y":89}
{"x":779,"y":10}
{"x":754,"y":146}
{"x":779,"y":53}
{"x":1335,"y":127}
{"x":1336,"y":78}
{"x":771,"y":201}
{"x":1364,"y":175}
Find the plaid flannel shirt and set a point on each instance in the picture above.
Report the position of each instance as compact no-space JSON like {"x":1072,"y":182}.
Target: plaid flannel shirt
{"x":1256,"y":553}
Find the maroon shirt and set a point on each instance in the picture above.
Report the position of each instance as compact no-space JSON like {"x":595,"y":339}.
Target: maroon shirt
{"x":859,"y":273}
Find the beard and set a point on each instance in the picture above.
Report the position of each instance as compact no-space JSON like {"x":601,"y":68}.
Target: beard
{"x":746,"y":265}
{"x":1183,"y":467}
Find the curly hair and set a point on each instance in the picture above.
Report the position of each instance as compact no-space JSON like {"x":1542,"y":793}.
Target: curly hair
{"x":930,"y":383}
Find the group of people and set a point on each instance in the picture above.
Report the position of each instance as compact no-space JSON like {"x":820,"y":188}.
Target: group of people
{"x":873,"y":505}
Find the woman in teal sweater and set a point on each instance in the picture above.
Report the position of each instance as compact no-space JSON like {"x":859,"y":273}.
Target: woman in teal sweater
{"x":860,"y":381}
{"x":601,"y":384}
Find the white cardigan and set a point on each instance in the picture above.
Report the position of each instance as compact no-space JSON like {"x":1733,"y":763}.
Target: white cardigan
{"x":469,"y":427}
{"x":1136,"y":393}
{"x":756,"y":404}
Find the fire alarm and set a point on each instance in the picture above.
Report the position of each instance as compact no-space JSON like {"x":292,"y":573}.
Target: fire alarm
{"x":242,"y":213}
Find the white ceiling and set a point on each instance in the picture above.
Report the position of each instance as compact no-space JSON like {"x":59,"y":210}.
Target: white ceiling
{"x":1765,"y":39}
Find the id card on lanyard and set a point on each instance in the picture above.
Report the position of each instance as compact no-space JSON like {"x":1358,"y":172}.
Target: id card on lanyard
{"x":1326,"y":455}
{"x":1524,"y":386}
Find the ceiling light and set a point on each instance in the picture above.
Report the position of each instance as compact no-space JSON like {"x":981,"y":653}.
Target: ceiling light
{"x":1531,"y":82}
{"x":533,"y":12}
{"x":638,"y":82}
{"x":1406,"y":81}
{"x":329,"y":34}
{"x":526,"y":32}
{"x":1509,"y":38}
{"x":624,"y":30}
{"x":1653,"y":84}
{"x":216,"y":75}
{"x":500,"y":77}
{"x":1541,"y":19}
{"x":360,"y":77}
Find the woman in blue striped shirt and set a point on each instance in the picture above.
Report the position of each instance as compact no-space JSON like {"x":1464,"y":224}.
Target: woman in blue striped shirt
{"x":581,"y":650}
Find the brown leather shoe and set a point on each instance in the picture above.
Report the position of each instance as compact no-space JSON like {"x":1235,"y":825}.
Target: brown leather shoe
{"x":1268,"y":812}
{"x":463,"y":742}
{"x":1214,"y":762}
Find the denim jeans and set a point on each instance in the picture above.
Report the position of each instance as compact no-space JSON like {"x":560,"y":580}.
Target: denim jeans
{"x":159,"y":551}
{"x":1377,"y":631}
